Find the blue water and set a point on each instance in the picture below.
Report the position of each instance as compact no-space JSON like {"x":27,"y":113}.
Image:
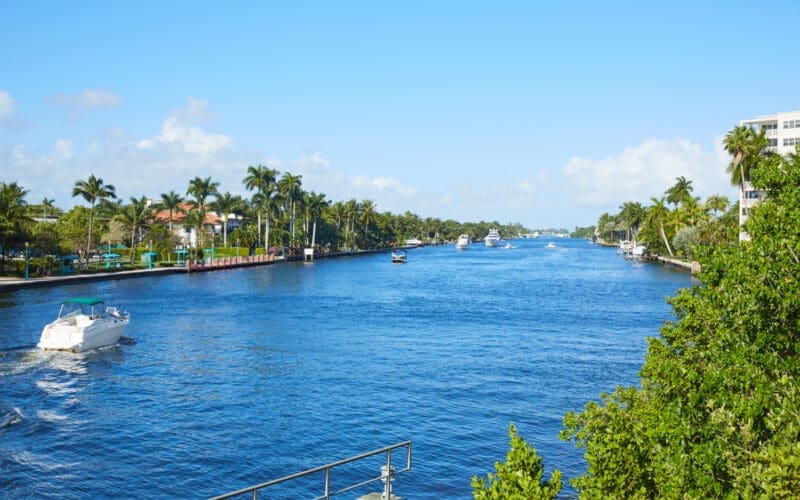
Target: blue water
{"x":232,"y":378}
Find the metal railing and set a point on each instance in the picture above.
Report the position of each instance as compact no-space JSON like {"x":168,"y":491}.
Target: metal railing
{"x":388,"y":473}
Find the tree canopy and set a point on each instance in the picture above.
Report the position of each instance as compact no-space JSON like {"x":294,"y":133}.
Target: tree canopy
{"x":717,"y":412}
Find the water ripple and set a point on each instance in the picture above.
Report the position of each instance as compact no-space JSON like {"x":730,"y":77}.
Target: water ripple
{"x":229,"y":379}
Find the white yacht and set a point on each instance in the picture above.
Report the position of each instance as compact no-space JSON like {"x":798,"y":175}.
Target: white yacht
{"x":413,"y":242}
{"x":83,"y":324}
{"x":463,"y":242}
{"x":493,"y":238}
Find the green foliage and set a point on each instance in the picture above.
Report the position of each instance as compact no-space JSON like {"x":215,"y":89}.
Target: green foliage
{"x":685,"y":239}
{"x":519,"y":477}
{"x":44,"y":237}
{"x":582,"y":232}
{"x":718,"y":411}
{"x":71,"y":229}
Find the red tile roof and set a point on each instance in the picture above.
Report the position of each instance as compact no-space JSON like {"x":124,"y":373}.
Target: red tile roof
{"x":178,"y":215}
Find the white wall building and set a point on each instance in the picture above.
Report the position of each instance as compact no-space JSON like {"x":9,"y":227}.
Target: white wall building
{"x":783,"y":132}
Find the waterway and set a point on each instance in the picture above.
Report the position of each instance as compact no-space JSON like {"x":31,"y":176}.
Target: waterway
{"x":231,"y":378}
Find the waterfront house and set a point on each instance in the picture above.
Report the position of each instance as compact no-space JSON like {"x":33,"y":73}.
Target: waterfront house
{"x":188,"y":234}
{"x":783,"y":132}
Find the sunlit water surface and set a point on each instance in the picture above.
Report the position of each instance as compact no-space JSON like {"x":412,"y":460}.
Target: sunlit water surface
{"x":232,"y":378}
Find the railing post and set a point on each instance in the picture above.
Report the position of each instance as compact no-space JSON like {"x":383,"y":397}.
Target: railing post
{"x":327,"y":483}
{"x":387,"y":474}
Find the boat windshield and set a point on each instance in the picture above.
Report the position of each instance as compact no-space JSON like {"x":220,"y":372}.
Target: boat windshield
{"x":75,"y":307}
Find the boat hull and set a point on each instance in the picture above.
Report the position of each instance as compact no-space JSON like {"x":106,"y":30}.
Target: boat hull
{"x":82,"y":334}
{"x":491,"y":242}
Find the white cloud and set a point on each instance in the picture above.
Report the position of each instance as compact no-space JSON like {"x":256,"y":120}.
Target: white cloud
{"x":63,"y":149}
{"x":89,"y":99}
{"x":77,"y":105}
{"x":183,"y":149}
{"x":645,"y":171}
{"x":8,"y":108}
{"x":196,"y":112}
{"x":319,"y":175}
{"x":178,"y":131}
{"x":8,"y":112}
{"x":191,"y":139}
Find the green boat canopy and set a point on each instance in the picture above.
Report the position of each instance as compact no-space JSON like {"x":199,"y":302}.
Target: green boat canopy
{"x":83,"y":300}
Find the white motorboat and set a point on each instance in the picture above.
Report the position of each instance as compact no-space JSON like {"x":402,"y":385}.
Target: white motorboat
{"x":413,"y":242}
{"x":551,"y":245}
{"x":399,"y":257}
{"x":493,"y":238}
{"x":83,"y":324}
{"x":463,"y":242}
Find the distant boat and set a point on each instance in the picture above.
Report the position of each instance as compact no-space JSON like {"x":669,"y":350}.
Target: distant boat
{"x":399,"y":257}
{"x":493,"y":238}
{"x":508,"y":246}
{"x":463,"y":242}
{"x":551,"y":245}
{"x":413,"y":242}
{"x":83,"y":324}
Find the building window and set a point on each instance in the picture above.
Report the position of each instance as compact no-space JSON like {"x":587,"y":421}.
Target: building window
{"x":773,"y":142}
{"x":785,"y":141}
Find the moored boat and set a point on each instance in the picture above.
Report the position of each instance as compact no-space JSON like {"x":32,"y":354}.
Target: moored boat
{"x":493,"y":238}
{"x":413,"y":242}
{"x":83,"y":324}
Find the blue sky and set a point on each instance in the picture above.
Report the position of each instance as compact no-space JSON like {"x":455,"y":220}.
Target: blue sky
{"x":548,"y":115}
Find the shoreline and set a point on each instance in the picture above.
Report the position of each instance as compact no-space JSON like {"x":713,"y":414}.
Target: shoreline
{"x":8,"y":284}
{"x":691,"y":266}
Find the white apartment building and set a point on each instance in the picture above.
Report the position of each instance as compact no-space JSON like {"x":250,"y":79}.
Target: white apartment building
{"x":783,"y":132}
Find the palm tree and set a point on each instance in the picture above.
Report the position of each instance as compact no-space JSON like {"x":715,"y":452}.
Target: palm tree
{"x":92,"y":190}
{"x":314,"y":204}
{"x":350,"y":213}
{"x":632,"y":216}
{"x":46,"y":203}
{"x":367,"y":217}
{"x":272,"y":213}
{"x":13,"y":212}
{"x":717,"y":203}
{"x":335,"y":214}
{"x":290,"y":187}
{"x":262,"y":179}
{"x":745,"y":145}
{"x":680,"y":192}
{"x":171,"y":201}
{"x":226,"y":204}
{"x":693,"y":211}
{"x":656,"y":215}
{"x":135,"y":216}
{"x":201,"y":190}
